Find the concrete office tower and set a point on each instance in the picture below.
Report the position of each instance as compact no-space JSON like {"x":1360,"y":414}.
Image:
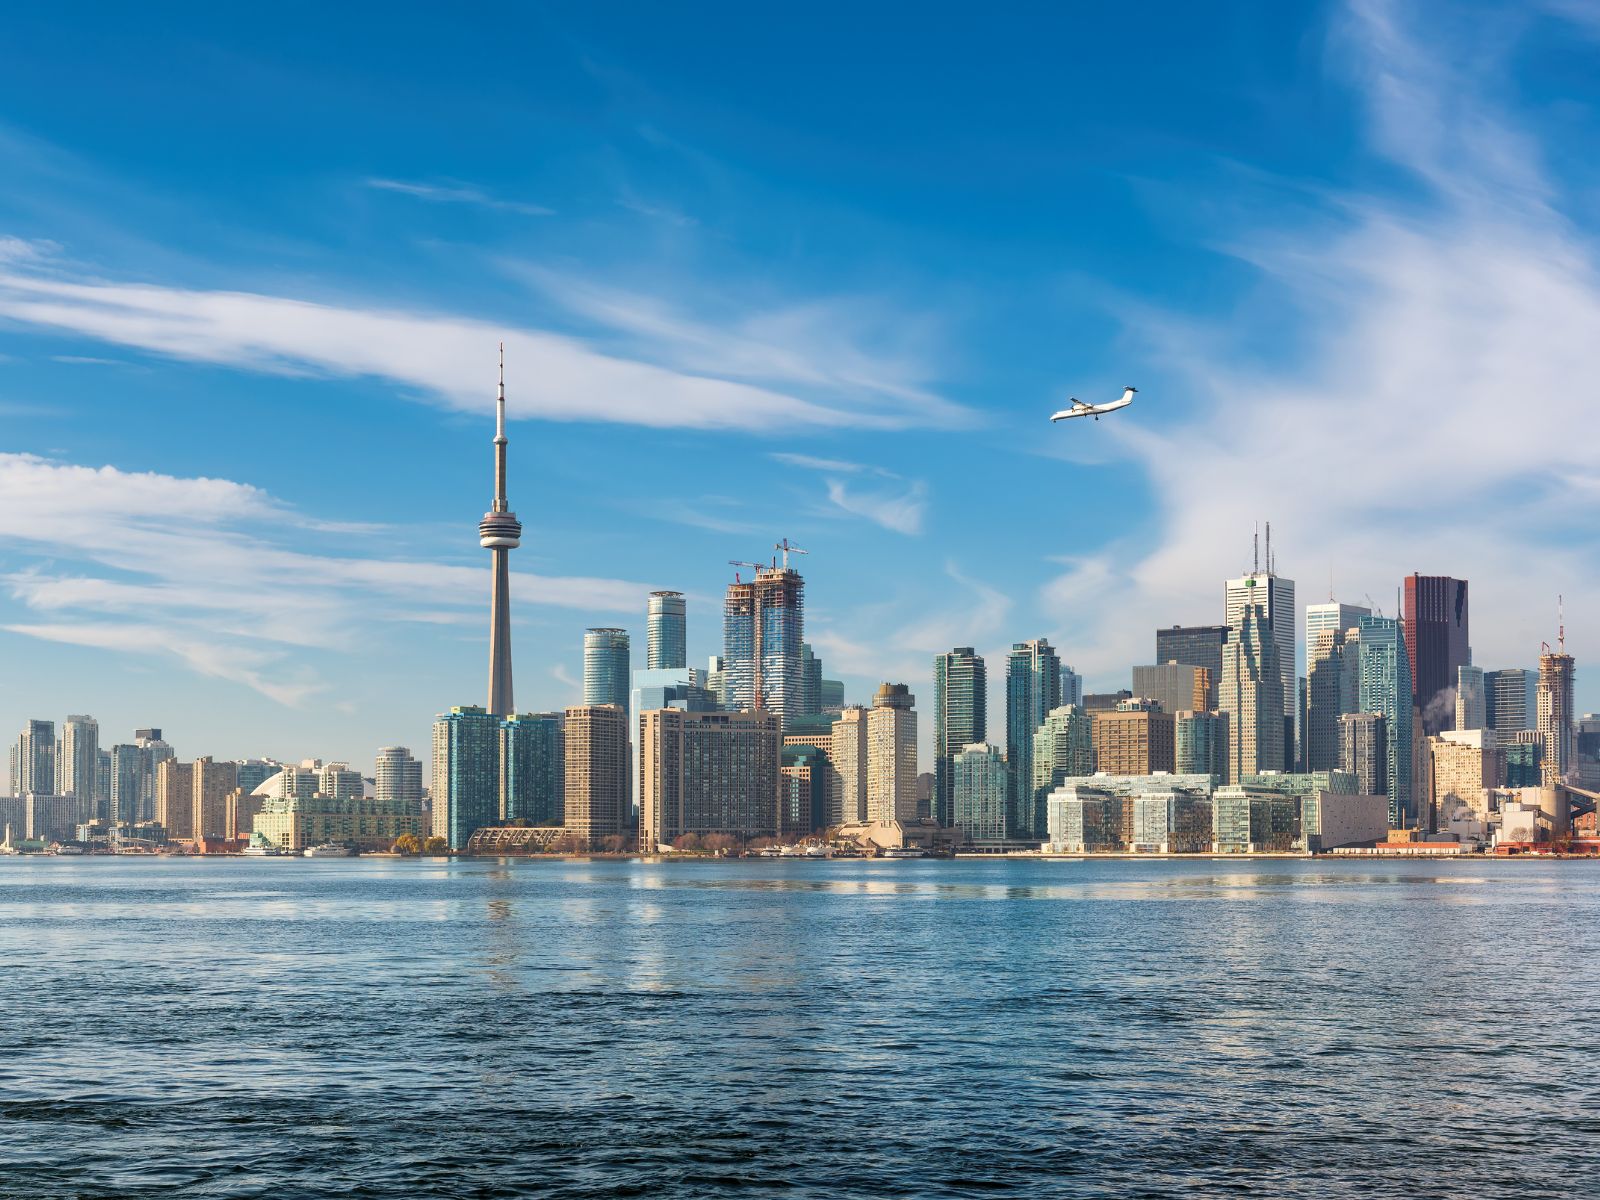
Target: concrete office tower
{"x":1071,"y":686}
{"x":1465,"y":765}
{"x":1274,"y":595}
{"x":596,"y":804}
{"x":1472,"y":705}
{"x":1135,"y":738}
{"x":1437,"y":644}
{"x":707,"y":773}
{"x":466,"y":773}
{"x":211,"y":782}
{"x":892,"y":755}
{"x":1033,"y":692}
{"x":1177,"y":687}
{"x":1511,"y":696}
{"x":397,"y":780}
{"x":175,"y":799}
{"x":533,"y":778}
{"x":1555,"y":713}
{"x":33,"y":760}
{"x":128,"y":768}
{"x":960,"y":719}
{"x":1251,"y":695}
{"x":1385,"y":688}
{"x":78,"y":765}
{"x":500,"y":533}
{"x":666,"y":632}
{"x":978,"y":793}
{"x":1193,"y":645}
{"x":810,"y":681}
{"x":1063,"y":747}
{"x":1333,"y":688}
{"x":762,"y":630}
{"x":1200,"y":744}
{"x":848,"y":752}
{"x":606,"y":656}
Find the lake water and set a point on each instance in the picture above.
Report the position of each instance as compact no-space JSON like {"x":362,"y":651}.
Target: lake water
{"x":379,"y":1028}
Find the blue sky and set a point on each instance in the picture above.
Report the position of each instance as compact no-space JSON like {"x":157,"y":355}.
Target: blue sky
{"x":817,"y":274}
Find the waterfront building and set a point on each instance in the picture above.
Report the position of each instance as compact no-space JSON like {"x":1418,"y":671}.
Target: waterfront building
{"x":1303,"y":783}
{"x":78,"y":766}
{"x":1033,"y":692}
{"x":48,"y":817}
{"x":175,"y":799}
{"x":666,"y":632}
{"x":1136,"y":738}
{"x":763,"y":629}
{"x":466,"y":773}
{"x":892,"y":755}
{"x":1472,"y":707}
{"x":1555,"y":713}
{"x":1251,"y":693}
{"x":1062,"y":748}
{"x":705,"y":773}
{"x":532,"y":768}
{"x":1385,"y":687}
{"x":1173,"y":821}
{"x":1437,"y":643}
{"x":848,"y":752}
{"x":500,"y":533}
{"x":1084,"y":819}
{"x":596,"y":805}
{"x":1195,"y":646}
{"x":1253,"y":820}
{"x":1511,"y":696}
{"x":128,"y":767}
{"x":1273,"y":596}
{"x":33,"y":759}
{"x":1177,"y":687}
{"x":978,"y":793}
{"x":256,"y":771}
{"x":1200,"y":744}
{"x":294,"y":823}
{"x":242,"y":806}
{"x":815,"y":732}
{"x":211,"y":782}
{"x":960,"y":719}
{"x":1464,"y":768}
{"x":1364,"y":751}
{"x":156,"y":751}
{"x":1329,"y":820}
{"x":803,"y":806}
{"x":397,"y":779}
{"x":606,"y":654}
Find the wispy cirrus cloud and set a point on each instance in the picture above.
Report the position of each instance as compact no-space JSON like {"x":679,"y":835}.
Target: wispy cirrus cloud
{"x":456,"y":192}
{"x":897,"y":504}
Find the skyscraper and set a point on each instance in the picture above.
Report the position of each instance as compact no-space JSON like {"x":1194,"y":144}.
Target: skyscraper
{"x":1386,"y":688}
{"x":710,"y":773}
{"x":78,"y":765}
{"x":1472,"y":708}
{"x":666,"y":633}
{"x":500,"y":533}
{"x":1200,"y":744}
{"x":1071,"y":686}
{"x":892,"y":755}
{"x":1194,"y":645}
{"x":33,"y":760}
{"x":1177,"y":687}
{"x":1555,"y":713}
{"x":1332,"y":688}
{"x":129,"y":766}
{"x":960,"y":719}
{"x":1135,"y":738}
{"x":978,"y":795}
{"x":1510,"y":697}
{"x":596,"y":804}
{"x":1063,"y":747}
{"x":1364,"y":751}
{"x":175,"y":799}
{"x":466,"y":773}
{"x":1437,"y":644}
{"x":606,"y":655}
{"x":212,"y":781}
{"x":1033,"y":692}
{"x":810,"y":681}
{"x":763,"y":628}
{"x":1334,"y":616}
{"x":1274,"y":595}
{"x":397,"y":779}
{"x":532,"y":768}
{"x":1251,"y":693}
{"x":847,"y":749}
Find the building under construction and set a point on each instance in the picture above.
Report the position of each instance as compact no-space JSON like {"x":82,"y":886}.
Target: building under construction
{"x":763,"y":626}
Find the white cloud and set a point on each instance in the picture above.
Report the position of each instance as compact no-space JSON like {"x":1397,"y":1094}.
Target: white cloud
{"x":458,"y":193}
{"x":900,"y":508}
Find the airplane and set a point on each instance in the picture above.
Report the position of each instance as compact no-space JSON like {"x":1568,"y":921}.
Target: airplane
{"x":1080,"y":409}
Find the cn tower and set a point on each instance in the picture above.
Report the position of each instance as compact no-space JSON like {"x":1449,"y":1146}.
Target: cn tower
{"x":500,"y":533}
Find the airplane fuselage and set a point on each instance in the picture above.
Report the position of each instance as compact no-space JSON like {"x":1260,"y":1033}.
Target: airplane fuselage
{"x":1095,"y":410}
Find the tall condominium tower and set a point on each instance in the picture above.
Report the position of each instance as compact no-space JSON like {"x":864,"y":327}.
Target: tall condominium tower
{"x":709,"y":773}
{"x":1554,"y":703}
{"x":1135,"y":738}
{"x":960,"y":719}
{"x":1472,"y":706}
{"x":1274,"y":595}
{"x":78,"y":765}
{"x":666,"y":633}
{"x":1071,"y":686}
{"x":1436,"y":642}
{"x":606,"y":654}
{"x":128,"y":769}
{"x":1364,"y":751}
{"x":212,"y":781}
{"x":397,"y":778}
{"x":466,"y":773}
{"x":533,"y":768}
{"x":1033,"y":692}
{"x":1063,"y":748}
{"x":763,"y":628}
{"x":847,"y":750}
{"x":1252,"y":693}
{"x":1385,"y":671}
{"x":500,"y":533}
{"x":33,"y":760}
{"x":1510,"y":698}
{"x":892,"y":755}
{"x":979,"y":793}
{"x":597,"y":804}
{"x":1200,"y":744}
{"x":175,"y":799}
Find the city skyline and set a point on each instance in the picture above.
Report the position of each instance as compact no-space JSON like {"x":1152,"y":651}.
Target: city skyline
{"x":236,"y":475}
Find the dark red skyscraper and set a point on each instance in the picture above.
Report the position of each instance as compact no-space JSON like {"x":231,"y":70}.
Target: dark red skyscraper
{"x":1436,"y":642}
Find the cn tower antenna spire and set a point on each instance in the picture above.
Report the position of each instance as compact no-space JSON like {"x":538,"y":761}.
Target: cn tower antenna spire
{"x":500,"y":533}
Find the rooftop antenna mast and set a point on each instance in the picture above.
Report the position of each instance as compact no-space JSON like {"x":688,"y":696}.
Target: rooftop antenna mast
{"x":1269,"y":547}
{"x":1255,"y":554}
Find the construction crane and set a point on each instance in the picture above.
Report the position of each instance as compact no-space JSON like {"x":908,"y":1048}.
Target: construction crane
{"x":734,"y":562}
{"x":788,"y":550}
{"x":1376,"y":611}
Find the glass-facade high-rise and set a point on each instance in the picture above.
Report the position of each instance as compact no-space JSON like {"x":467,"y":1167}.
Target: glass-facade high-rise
{"x":763,"y":628}
{"x":606,"y":654}
{"x":978,"y":793}
{"x":1386,"y":688}
{"x":1510,"y":700}
{"x":1033,"y":692}
{"x":1195,"y":645}
{"x":666,"y":632}
{"x":1063,"y":747}
{"x":810,"y":681}
{"x":466,"y":772}
{"x":1472,"y":708}
{"x":532,"y":778}
{"x":1437,"y":644}
{"x":960,"y":719}
{"x":1200,"y":744}
{"x":78,"y":766}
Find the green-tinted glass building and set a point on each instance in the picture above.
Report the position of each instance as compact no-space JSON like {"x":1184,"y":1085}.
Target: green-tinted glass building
{"x":960,"y":719}
{"x":466,"y":772}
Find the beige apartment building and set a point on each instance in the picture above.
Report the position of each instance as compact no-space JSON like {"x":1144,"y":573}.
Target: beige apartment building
{"x":1134,"y":739}
{"x":175,"y":799}
{"x":211,"y":782}
{"x":708,"y":772}
{"x":597,"y":785}
{"x":848,"y":751}
{"x":892,"y":755}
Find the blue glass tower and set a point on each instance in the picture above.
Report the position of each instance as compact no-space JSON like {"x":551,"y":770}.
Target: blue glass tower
{"x":1033,"y":691}
{"x":1385,"y":687}
{"x":466,"y":772}
{"x":532,"y":775}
